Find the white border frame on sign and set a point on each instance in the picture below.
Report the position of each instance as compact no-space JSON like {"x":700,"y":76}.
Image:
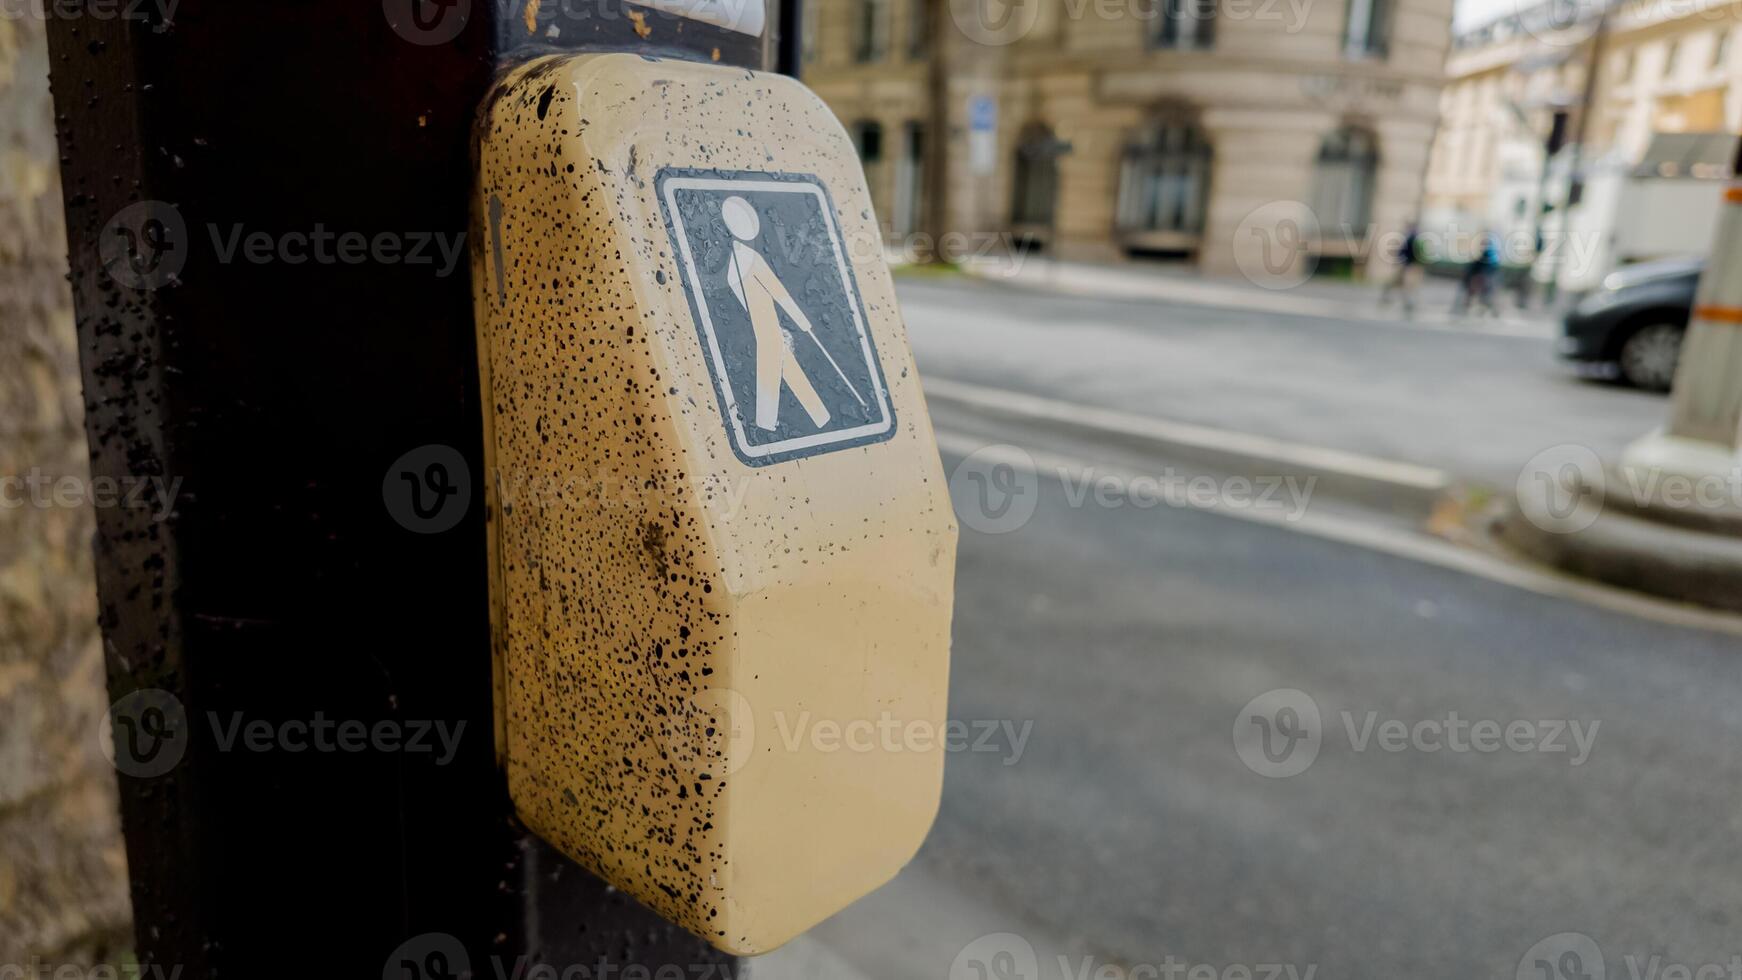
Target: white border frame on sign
{"x":744,"y":16}
{"x":694,"y":283}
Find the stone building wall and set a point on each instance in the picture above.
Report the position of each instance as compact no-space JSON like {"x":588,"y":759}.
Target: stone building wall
{"x":1266,"y":94}
{"x":63,"y":883}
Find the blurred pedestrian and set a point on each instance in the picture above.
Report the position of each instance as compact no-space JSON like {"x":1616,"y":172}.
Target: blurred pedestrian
{"x":1526,"y":291}
{"x":1408,"y":276}
{"x":1481,"y":277}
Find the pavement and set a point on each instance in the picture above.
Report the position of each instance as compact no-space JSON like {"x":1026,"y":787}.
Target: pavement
{"x":1476,"y":405}
{"x":1145,"y":633}
{"x":1341,"y":299}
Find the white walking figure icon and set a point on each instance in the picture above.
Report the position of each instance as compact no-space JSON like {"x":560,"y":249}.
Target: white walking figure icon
{"x":761,"y":292}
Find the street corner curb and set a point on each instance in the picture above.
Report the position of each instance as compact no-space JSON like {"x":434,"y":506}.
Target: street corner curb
{"x":1654,"y":503}
{"x":1403,"y":491}
{"x":1664,"y":552}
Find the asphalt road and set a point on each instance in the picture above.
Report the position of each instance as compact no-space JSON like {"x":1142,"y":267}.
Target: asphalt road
{"x":1129,"y":832}
{"x":1477,"y":405}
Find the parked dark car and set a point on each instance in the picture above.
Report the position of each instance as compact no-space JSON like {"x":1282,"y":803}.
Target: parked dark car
{"x":1632,"y":326}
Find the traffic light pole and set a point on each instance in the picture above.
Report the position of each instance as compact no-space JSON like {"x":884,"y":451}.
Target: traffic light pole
{"x":267,"y":213}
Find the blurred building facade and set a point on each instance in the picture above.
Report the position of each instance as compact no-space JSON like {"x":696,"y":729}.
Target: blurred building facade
{"x":63,"y":875}
{"x":1664,"y":103}
{"x":1106,"y":128}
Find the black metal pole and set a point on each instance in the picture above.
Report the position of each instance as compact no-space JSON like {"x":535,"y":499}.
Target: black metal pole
{"x":267,"y":216}
{"x":790,"y":57}
{"x":1581,"y":133}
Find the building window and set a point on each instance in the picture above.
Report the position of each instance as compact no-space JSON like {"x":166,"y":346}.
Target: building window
{"x":1164,"y":179}
{"x":1670,"y":57}
{"x":807,"y":28}
{"x":1186,"y":25}
{"x":1721,"y":51}
{"x":1368,"y":32}
{"x":870,"y":30}
{"x":910,"y":181}
{"x":918,"y":29}
{"x":1037,"y":178}
{"x":1348,"y":168}
{"x":868,"y":140}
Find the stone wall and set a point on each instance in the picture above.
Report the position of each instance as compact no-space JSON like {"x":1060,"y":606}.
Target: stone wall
{"x":63,"y":883}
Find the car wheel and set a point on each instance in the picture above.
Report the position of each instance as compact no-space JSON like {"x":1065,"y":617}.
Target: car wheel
{"x":1649,"y":356}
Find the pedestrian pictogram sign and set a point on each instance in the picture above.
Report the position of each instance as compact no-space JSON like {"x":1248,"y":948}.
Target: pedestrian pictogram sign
{"x":706,"y":526}
{"x":777,"y":312}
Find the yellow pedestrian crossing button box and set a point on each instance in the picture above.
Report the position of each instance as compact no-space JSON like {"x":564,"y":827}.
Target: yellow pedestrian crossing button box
{"x":722,"y":549}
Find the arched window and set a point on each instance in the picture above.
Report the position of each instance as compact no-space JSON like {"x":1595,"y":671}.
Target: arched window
{"x":1037,"y":178}
{"x":1164,"y":182}
{"x":1348,"y":168}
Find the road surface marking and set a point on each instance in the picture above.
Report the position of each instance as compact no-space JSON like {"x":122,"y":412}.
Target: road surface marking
{"x":1186,"y":434}
{"x":1372,"y":536}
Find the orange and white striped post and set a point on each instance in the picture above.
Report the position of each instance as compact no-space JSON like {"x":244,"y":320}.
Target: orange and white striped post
{"x":1708,"y":387}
